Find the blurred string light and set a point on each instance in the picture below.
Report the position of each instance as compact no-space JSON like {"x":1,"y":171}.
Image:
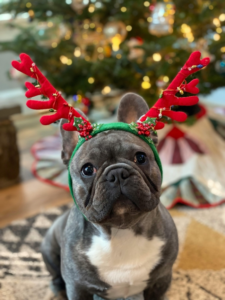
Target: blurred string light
{"x":216,"y":22}
{"x":123,"y":9}
{"x":50,"y":24}
{"x":219,"y":30}
{"x":100,"y":49}
{"x":156,"y":56}
{"x":98,"y":4}
{"x":106,"y":90}
{"x":146,"y":3}
{"x":216,"y":37}
{"x":91,"y":8}
{"x":68,"y":35}
{"x":149,"y":19}
{"x":49,"y":13}
{"x":54,"y":45}
{"x":146,"y":78}
{"x":31,"y":13}
{"x":99,"y":29}
{"x":77,"y":52}
{"x":65,"y":60}
{"x":222,"y":49}
{"x":187,"y":33}
{"x":128,"y":27}
{"x":118,"y":56}
{"x":211,"y":7}
{"x":145,"y":85}
{"x":91,"y":80}
{"x":116,"y":41}
{"x":28,"y":4}
{"x":222,"y":17}
{"x":166,"y":79}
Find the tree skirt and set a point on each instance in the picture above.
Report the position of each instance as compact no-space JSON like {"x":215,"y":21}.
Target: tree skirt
{"x":199,"y":273}
{"x":193,"y":161}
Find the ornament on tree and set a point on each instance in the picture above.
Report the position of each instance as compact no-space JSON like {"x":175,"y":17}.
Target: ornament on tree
{"x":86,"y":101}
{"x":135,"y":52}
{"x":107,"y":51}
{"x":202,"y":46}
{"x":88,"y":33}
{"x":83,"y":103}
{"x":79,"y":5}
{"x":162,"y":18}
{"x":162,"y":82}
{"x":115,"y":32}
{"x":50,"y":33}
{"x":220,"y":66}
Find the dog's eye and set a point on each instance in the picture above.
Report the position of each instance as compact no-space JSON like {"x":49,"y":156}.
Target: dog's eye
{"x":88,"y":170}
{"x":140,"y":158}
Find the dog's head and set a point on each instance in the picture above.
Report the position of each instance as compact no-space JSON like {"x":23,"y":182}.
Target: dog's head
{"x":115,"y":177}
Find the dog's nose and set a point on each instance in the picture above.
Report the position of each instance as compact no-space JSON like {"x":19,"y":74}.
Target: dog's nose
{"x":118,"y":175}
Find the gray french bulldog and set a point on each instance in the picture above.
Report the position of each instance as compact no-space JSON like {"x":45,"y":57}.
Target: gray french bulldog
{"x":129,"y":244}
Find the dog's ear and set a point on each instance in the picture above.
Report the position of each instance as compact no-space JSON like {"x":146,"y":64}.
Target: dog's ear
{"x":69,"y":140}
{"x":131,"y":108}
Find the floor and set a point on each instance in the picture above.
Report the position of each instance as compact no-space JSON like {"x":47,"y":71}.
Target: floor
{"x":30,"y":196}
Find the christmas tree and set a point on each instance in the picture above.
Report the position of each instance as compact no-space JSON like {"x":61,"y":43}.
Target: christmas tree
{"x":97,"y":46}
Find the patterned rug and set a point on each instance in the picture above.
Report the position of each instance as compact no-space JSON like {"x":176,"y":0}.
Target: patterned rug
{"x":199,"y":273}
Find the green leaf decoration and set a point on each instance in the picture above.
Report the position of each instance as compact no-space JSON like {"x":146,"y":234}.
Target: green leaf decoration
{"x":133,"y":126}
{"x":96,"y":126}
{"x":52,"y":110}
{"x":78,"y":121}
{"x":149,"y":139}
{"x":150,"y":121}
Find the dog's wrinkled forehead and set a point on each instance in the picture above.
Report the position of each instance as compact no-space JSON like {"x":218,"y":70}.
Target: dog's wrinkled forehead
{"x":111,"y":146}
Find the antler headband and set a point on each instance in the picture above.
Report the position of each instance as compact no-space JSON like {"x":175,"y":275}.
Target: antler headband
{"x":56,"y":102}
{"x":150,"y":121}
{"x":142,"y":128}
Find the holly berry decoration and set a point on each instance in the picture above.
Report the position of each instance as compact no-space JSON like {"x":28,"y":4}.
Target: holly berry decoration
{"x":86,"y":101}
{"x":83,"y":127}
{"x":144,"y":128}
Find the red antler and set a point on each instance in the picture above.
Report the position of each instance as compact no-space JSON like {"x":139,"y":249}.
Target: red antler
{"x":163,"y":105}
{"x":56,"y":101}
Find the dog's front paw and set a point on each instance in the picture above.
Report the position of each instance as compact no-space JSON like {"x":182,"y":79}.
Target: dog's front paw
{"x":60,"y":296}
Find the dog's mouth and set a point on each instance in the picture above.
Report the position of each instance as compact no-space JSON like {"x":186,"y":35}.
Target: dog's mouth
{"x":122,"y":210}
{"x":124,"y":205}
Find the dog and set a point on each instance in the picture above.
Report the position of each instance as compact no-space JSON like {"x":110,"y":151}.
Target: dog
{"x":119,"y":241}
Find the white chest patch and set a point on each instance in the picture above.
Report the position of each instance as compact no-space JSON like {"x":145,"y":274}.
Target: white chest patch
{"x":125,"y":261}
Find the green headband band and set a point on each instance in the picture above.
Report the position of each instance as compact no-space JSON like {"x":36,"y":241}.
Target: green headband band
{"x":113,"y":126}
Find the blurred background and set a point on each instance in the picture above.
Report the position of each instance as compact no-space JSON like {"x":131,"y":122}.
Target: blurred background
{"x":94,"y":51}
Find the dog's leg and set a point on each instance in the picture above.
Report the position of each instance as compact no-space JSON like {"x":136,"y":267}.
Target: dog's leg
{"x":51,"y":254}
{"x":74,"y":292}
{"x":159,"y":289}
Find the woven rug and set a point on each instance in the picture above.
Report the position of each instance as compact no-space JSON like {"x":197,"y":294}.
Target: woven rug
{"x":199,"y":273}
